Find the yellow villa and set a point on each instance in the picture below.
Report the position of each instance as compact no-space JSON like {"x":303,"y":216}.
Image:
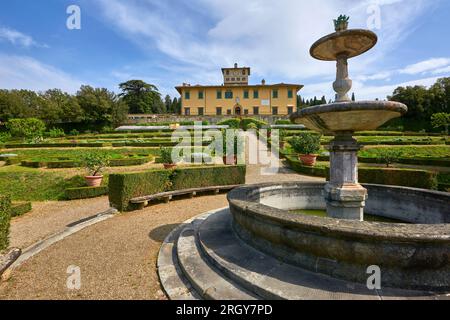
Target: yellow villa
{"x":237,"y":98}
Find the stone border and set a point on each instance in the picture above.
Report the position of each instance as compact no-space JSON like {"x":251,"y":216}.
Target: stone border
{"x":340,"y":248}
{"x":70,"y":230}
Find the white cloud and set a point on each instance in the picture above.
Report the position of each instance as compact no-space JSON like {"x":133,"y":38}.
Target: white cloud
{"x":273,"y":37}
{"x":425,"y":66}
{"x":21,"y":72}
{"x":18,"y":38}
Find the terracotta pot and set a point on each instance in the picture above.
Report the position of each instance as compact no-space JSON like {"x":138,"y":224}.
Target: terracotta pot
{"x":94,"y":181}
{"x":168,"y":166}
{"x":230,"y":160}
{"x":308,"y":159}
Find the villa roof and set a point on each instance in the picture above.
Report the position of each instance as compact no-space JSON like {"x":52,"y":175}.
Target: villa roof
{"x":297,"y":86}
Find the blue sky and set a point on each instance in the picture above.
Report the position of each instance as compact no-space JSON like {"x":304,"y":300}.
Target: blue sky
{"x":168,"y":42}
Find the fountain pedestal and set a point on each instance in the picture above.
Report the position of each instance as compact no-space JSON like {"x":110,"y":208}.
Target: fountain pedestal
{"x":345,"y":197}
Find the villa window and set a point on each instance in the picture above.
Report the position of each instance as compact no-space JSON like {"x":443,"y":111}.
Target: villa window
{"x":246,"y":94}
{"x":200,"y":95}
{"x":233,"y":79}
{"x":229,"y":112}
{"x":290,"y":110}
{"x":255,"y":94}
{"x":275,"y":94}
{"x":290,"y":94}
{"x":187,"y":95}
{"x":187,"y":111}
{"x":243,"y":72}
{"x":218,"y":111}
{"x":219,"y":94}
{"x":246,"y":112}
{"x":274,"y":111}
{"x":256,"y":111}
{"x":229,"y":95}
{"x":201,"y":111}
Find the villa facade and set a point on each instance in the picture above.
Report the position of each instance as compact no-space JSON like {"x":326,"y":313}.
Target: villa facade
{"x":235,"y":97}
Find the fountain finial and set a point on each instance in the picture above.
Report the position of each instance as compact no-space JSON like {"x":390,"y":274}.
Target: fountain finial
{"x":341,"y":23}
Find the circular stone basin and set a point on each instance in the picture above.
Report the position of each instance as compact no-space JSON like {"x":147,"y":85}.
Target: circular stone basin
{"x":349,"y":116}
{"x":349,"y":43}
{"x":411,"y":256}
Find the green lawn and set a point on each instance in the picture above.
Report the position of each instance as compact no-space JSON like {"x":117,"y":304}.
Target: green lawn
{"x":78,"y":153}
{"x":442,"y":152}
{"x":26,"y":184}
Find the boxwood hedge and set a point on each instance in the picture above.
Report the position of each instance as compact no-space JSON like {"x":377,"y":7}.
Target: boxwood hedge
{"x":123,"y":187}
{"x":86,"y":192}
{"x":399,"y":177}
{"x":5,"y":218}
{"x":20,"y":208}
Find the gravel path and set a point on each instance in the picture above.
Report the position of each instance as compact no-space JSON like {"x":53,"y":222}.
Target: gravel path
{"x":47,"y":218}
{"x":117,"y":257}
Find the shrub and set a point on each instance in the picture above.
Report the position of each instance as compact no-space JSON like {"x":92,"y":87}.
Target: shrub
{"x":207,"y":177}
{"x":123,"y":187}
{"x":29,"y":128}
{"x":399,"y":177}
{"x":283,"y":122}
{"x":74,"y":132}
{"x":298,"y":167}
{"x":5,"y":218}
{"x":390,"y":156}
{"x":20,"y":208}
{"x":306,"y":143}
{"x":4,"y":137}
{"x":166,"y":156}
{"x":252,"y":126}
{"x":232,"y":123}
{"x":95,"y":163}
{"x":66,"y":164}
{"x":244,"y":123}
{"x":85,"y":192}
{"x":56,"y":133}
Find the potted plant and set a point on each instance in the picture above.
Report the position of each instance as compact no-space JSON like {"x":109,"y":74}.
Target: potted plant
{"x":341,"y":23}
{"x":307,"y":145}
{"x":95,"y":163}
{"x":166,"y":158}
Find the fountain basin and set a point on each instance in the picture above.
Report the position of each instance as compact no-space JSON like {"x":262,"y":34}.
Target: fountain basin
{"x":348,"y":43}
{"x":411,"y":256}
{"x":349,"y":116}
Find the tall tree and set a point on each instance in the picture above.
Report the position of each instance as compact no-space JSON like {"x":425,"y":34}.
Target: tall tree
{"x":141,"y":97}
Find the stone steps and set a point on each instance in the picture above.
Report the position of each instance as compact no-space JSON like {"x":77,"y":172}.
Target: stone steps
{"x":207,"y":282}
{"x":204,"y":259}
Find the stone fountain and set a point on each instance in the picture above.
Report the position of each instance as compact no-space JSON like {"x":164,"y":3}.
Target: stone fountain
{"x":266,"y":246}
{"x":344,"y":195}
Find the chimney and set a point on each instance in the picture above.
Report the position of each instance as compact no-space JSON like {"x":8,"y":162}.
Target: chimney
{"x":263,"y":82}
{"x":235,"y":65}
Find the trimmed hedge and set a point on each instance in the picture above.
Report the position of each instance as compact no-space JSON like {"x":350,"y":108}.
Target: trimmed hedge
{"x":129,"y":162}
{"x":33,"y":164}
{"x":5,"y":219}
{"x":437,"y":162}
{"x":55,"y":145}
{"x":20,"y":208}
{"x":123,"y":187}
{"x":207,"y":177}
{"x":297,"y":166}
{"x":421,"y":179}
{"x":399,"y":177}
{"x":86,"y":192}
{"x":66,"y":164}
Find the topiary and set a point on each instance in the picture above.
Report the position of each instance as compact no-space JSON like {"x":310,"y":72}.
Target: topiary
{"x":306,"y":143}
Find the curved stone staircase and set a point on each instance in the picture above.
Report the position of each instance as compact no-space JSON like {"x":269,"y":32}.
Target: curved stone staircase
{"x":204,"y":259}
